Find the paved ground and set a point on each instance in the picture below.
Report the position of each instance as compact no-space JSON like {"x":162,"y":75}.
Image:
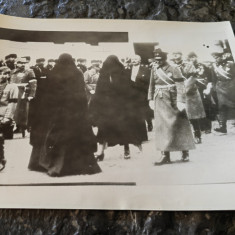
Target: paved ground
{"x":213,"y":161}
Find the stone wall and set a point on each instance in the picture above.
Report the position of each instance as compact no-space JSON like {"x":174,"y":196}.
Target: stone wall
{"x":118,"y":222}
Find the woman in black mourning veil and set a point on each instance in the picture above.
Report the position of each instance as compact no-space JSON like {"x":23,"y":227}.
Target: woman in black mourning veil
{"x":62,"y":138}
{"x":111,"y":109}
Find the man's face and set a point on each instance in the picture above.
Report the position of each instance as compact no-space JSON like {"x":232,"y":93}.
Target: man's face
{"x":52,"y":63}
{"x":159,"y":62}
{"x":193,"y":59}
{"x":177,"y":56}
{"x":3,"y":77}
{"x":20,"y":65}
{"x":218,"y":59}
{"x":135,"y":60}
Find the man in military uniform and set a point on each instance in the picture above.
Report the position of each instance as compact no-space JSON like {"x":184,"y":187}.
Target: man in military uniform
{"x":82,"y":64}
{"x":39,"y":69}
{"x":194,"y":105}
{"x":50,"y":65}
{"x":23,"y":78}
{"x":223,"y":72}
{"x":167,"y":96}
{"x":204,"y":84}
{"x":10,"y":61}
{"x":8,"y":100}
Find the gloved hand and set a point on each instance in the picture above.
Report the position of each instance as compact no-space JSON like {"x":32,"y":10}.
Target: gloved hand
{"x":181,"y":106}
{"x":151,"y":104}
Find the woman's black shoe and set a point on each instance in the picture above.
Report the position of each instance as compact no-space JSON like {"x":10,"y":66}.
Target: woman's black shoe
{"x":2,"y":164}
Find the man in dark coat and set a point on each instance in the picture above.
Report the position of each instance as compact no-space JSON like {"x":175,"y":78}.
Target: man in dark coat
{"x":140,"y":76}
{"x":223,"y":75}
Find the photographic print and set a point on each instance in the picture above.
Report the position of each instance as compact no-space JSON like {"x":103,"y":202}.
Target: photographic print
{"x":116,"y":114}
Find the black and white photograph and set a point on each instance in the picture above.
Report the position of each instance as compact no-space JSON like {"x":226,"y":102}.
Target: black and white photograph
{"x":117,"y":114}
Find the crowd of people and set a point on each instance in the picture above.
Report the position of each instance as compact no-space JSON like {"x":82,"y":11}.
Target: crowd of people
{"x":60,"y":103}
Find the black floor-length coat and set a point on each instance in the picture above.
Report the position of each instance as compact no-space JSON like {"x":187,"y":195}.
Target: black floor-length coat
{"x":62,"y":138}
{"x":111,"y":108}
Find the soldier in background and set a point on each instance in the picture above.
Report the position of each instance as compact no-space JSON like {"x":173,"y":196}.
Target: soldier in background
{"x":50,"y":65}
{"x":194,"y":105}
{"x":82,"y":64}
{"x":39,"y":69}
{"x":204,"y":84}
{"x":2,"y":63}
{"x":23,"y":78}
{"x":91,"y":77}
{"x":10,"y":61}
{"x":223,"y":75}
{"x":8,"y":100}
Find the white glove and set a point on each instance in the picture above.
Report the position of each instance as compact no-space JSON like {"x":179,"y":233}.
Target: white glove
{"x":92,"y":92}
{"x":181,"y":106}
{"x":151,"y":104}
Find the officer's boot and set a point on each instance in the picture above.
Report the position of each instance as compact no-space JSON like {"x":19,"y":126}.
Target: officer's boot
{"x":165,"y":159}
{"x":197,"y":137}
{"x":185,"y":156}
{"x":222,"y":127}
{"x":2,"y":158}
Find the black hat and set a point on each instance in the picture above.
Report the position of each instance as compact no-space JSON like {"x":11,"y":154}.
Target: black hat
{"x":40,"y":60}
{"x":159,"y":54}
{"x":11,"y":56}
{"x":192,"y":54}
{"x":217,"y":54}
{"x":51,"y":60}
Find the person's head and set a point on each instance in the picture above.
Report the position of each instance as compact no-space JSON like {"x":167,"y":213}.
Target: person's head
{"x":160,"y":57}
{"x":218,"y":57}
{"x":227,"y":56}
{"x":21,"y":62}
{"x":51,"y":63}
{"x":4,"y":74}
{"x":65,"y":59}
{"x":11,"y":57}
{"x":40,"y":62}
{"x":82,"y":61}
{"x":192,"y":57}
{"x":177,"y":56}
{"x":11,"y":60}
{"x":112,"y":63}
{"x":135,"y":60}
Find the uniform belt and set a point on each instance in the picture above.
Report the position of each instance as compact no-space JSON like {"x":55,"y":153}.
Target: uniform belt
{"x":164,"y":86}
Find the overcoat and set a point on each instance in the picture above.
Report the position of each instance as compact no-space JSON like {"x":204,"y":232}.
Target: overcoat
{"x":22,"y":78}
{"x":224,"y":79}
{"x":172,"y":128}
{"x":194,"y":105}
